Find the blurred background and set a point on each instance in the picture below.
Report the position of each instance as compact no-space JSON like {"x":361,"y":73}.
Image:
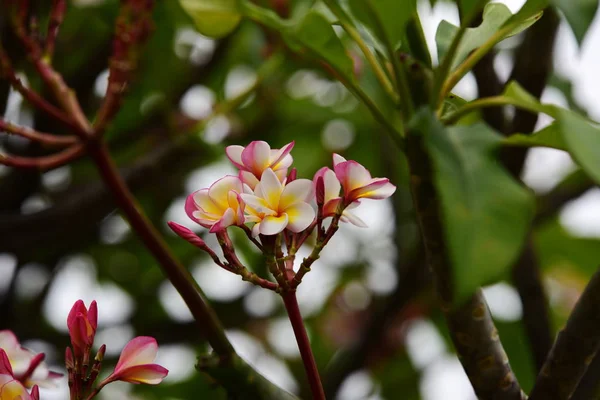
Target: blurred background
{"x":368,"y":302}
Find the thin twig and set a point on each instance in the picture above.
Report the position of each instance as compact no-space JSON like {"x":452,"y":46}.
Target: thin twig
{"x":36,"y":136}
{"x":57,"y":14}
{"x":46,"y":162}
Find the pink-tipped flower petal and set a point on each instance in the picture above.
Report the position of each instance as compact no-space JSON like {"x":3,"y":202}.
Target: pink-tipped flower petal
{"x":219,"y":206}
{"x":135,"y":364}
{"x":234,"y":153}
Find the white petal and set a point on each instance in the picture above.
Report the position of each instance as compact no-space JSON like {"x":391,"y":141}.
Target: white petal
{"x":270,"y":189}
{"x":257,"y":156}
{"x":294,"y":192}
{"x":357,"y":176}
{"x":337,"y":159}
{"x":332,"y":185}
{"x":257,"y":203}
{"x":300,"y":215}
{"x":348,"y":216}
{"x":234,"y":153}
{"x":271,"y":225}
{"x":219,"y":191}
{"x":248,"y":179}
{"x":205,"y":203}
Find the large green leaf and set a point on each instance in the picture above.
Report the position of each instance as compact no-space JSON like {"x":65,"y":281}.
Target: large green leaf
{"x":386,"y":19}
{"x":551,"y":136}
{"x":579,"y":14}
{"x":486,"y":213}
{"x":579,"y":136}
{"x":583,"y":141}
{"x":315,"y":34}
{"x":495,"y":16}
{"x":213,"y":18}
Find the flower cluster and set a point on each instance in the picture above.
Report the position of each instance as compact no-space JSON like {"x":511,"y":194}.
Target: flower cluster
{"x":22,"y":369}
{"x":273,"y":206}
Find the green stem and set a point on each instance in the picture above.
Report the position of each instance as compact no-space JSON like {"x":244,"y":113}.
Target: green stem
{"x":483,"y":103}
{"x":176,"y":273}
{"x":310,"y":365}
{"x":471,"y":60}
{"x":351,"y":30}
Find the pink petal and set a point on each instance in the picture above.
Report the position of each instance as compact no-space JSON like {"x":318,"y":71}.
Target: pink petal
{"x":139,"y":351}
{"x":234,"y":153}
{"x":77,"y":309}
{"x":228,"y":219}
{"x":378,"y":188}
{"x":199,"y":200}
{"x":5,"y":367}
{"x":271,"y":225}
{"x":219,"y":191}
{"x":294,"y":192}
{"x":356,"y":176}
{"x":330,"y":208}
{"x":150,"y":374}
{"x":270,"y":189}
{"x":337,"y":159}
{"x":300,"y":216}
{"x":280,"y":158}
{"x":93,"y":314}
{"x":256,"y":157}
{"x":35,"y":393}
{"x":248,"y":178}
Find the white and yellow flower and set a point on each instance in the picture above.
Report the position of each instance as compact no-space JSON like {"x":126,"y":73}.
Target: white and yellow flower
{"x":255,"y":158}
{"x":275,"y":206}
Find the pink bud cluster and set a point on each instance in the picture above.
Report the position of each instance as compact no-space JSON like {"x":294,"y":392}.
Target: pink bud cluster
{"x":273,"y":206}
{"x":135,"y":364}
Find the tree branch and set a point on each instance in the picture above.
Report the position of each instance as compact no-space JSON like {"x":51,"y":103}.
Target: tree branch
{"x":574,"y":348}
{"x":471,"y":326}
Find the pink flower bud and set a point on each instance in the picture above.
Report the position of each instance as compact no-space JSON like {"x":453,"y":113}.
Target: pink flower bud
{"x":82,"y":324}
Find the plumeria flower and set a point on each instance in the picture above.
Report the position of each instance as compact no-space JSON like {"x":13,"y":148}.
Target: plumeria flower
{"x":275,"y":207}
{"x":135,"y":364}
{"x":255,"y":158}
{"x":332,"y":198}
{"x":25,"y":365}
{"x":218,"y":206}
{"x":357,"y":182}
{"x":12,"y":389}
{"x":82,"y":324}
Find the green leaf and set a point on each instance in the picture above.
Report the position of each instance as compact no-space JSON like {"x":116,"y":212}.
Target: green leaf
{"x":582,"y":140}
{"x":386,"y":19}
{"x":571,"y":132}
{"x":315,"y":34}
{"x":550,"y":136}
{"x":213,"y":18}
{"x":486,"y":212}
{"x":523,"y":99}
{"x":495,"y":16}
{"x":579,"y":14}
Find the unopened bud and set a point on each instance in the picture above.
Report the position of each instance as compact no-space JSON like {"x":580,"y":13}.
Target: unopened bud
{"x":293,"y":175}
{"x":187,"y":235}
{"x":320,"y":192}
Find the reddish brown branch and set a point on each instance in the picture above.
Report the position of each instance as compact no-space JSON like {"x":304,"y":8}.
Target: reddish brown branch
{"x":40,"y":137}
{"x":44,"y":163}
{"x":57,"y":14}
{"x":132,"y":29}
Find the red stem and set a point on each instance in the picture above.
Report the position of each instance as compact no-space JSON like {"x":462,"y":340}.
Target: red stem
{"x":176,"y":272}
{"x":310,"y":366}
